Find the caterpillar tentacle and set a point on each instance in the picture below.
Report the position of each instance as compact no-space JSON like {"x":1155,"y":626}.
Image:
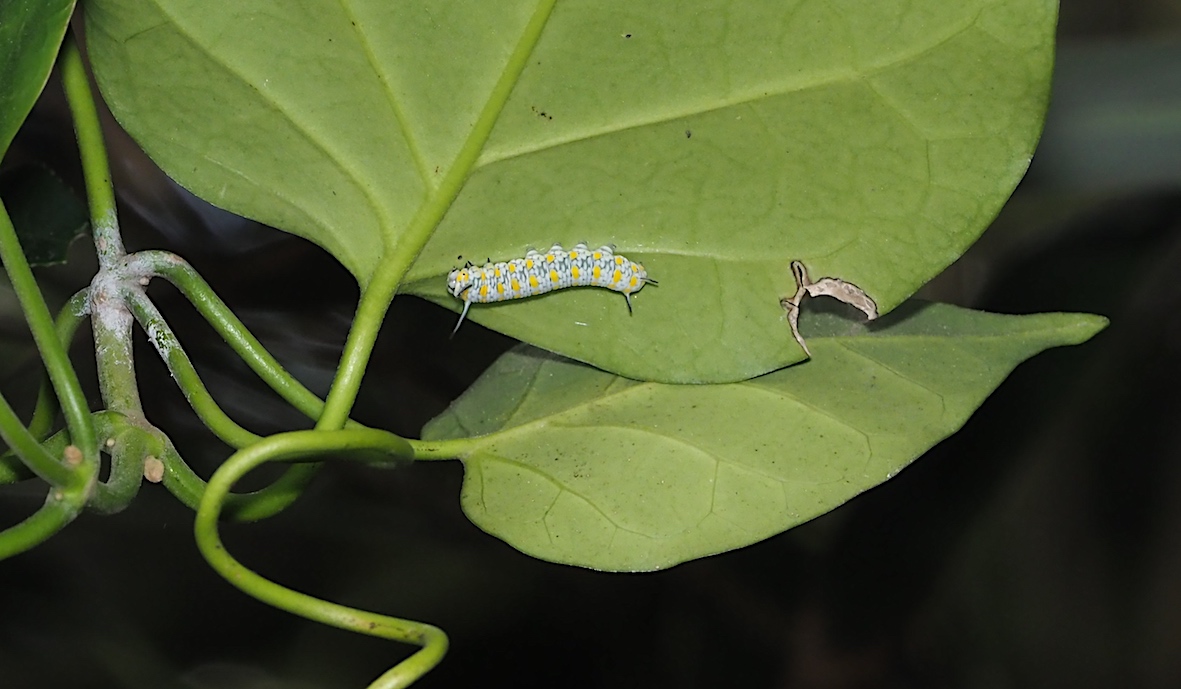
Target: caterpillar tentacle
{"x":466,"y":305}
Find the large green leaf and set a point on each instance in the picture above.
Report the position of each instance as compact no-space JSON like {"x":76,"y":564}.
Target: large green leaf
{"x":583,"y":467}
{"x":31,"y":32}
{"x":714,"y":140}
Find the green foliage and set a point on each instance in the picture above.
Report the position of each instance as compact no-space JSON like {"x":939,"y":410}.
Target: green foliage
{"x":583,"y":467}
{"x":714,"y":141}
{"x":30,"y":34}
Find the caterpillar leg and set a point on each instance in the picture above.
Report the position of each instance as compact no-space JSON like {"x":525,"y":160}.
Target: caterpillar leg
{"x":466,"y":305}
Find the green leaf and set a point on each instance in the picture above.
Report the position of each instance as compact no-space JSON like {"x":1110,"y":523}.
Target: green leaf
{"x":31,"y":32}
{"x":713,"y":140}
{"x":48,"y":215}
{"x":582,"y":467}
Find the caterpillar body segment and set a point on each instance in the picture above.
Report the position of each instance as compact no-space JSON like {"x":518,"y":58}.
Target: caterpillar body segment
{"x":538,"y":273}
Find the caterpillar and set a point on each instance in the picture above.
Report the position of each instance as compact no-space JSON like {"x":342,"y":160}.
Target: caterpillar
{"x":538,"y":273}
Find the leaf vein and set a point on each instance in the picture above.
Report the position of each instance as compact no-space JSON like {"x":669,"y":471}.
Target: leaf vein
{"x":901,"y":376}
{"x":395,"y":105}
{"x":751,"y":95}
{"x":309,"y":133}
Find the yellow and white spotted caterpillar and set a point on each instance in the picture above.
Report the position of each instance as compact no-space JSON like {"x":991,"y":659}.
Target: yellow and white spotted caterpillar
{"x":538,"y":273}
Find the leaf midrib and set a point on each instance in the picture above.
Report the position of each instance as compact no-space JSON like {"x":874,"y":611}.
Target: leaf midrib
{"x":552,"y":419}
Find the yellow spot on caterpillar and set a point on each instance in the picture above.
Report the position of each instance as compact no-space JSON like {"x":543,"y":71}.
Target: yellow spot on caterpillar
{"x":549,"y":258}
{"x":596,"y":272}
{"x":616,"y":277}
{"x":483,"y":290}
{"x":553,"y":276}
{"x":574,"y":271}
{"x":633,"y":281}
{"x":533,"y":281}
{"x":528,"y":263}
{"x":517,"y":284}
{"x":573,"y":254}
{"x":500,"y":288}
{"x":618,"y":260}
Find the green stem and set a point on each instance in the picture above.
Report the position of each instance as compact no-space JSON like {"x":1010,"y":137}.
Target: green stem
{"x":95,"y":168}
{"x":179,"y":478}
{"x":427,"y":450}
{"x":375,"y":300}
{"x":186,"y":486}
{"x":126,"y":281}
{"x":53,"y":354}
{"x":170,"y":349}
{"x":109,"y":318}
{"x":12,"y":469}
{"x":376,"y":297}
{"x":128,"y":445}
{"x":177,"y":271}
{"x":68,"y":320}
{"x":295,"y":446}
{"x":59,"y":509}
{"x":29,"y":450}
{"x":111,"y":322}
{"x":61,"y":505}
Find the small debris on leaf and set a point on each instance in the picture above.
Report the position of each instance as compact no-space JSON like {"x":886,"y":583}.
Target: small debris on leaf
{"x":836,"y":288}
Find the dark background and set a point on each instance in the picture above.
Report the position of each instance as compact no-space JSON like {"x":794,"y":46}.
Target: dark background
{"x":1040,"y":546}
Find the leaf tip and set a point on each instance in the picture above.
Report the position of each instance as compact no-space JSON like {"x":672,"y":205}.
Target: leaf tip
{"x":1085,"y":326}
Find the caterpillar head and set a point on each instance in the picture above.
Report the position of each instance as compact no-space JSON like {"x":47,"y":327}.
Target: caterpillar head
{"x":458,"y":280}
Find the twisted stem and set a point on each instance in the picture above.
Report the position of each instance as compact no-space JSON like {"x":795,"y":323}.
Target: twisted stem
{"x":298,"y":446}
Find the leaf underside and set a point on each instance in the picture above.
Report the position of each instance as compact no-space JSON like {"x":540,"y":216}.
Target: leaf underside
{"x":583,"y":467}
{"x":31,"y":32}
{"x":715,"y":141}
